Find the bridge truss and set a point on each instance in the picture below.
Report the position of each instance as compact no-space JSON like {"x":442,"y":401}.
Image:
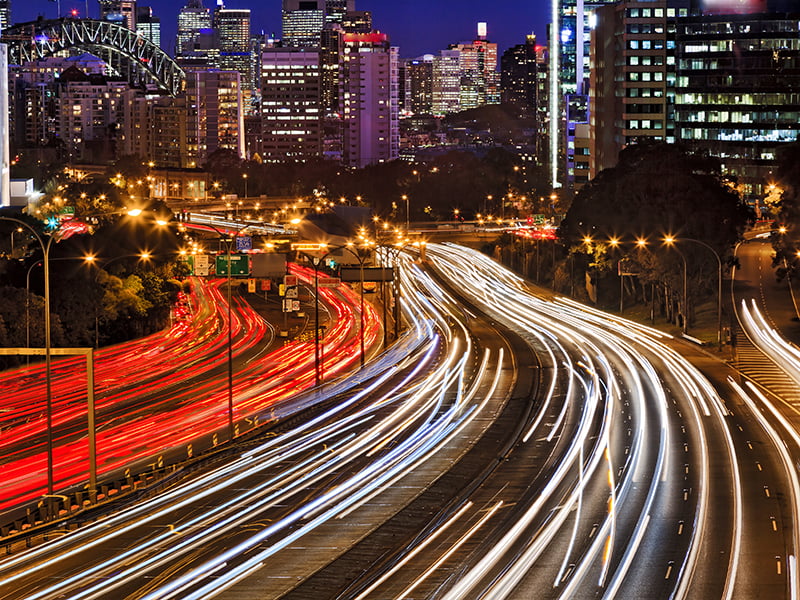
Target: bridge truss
{"x":130,"y":53}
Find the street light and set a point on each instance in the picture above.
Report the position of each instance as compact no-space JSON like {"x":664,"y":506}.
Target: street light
{"x":408,"y":220}
{"x":354,"y":250}
{"x":672,"y":240}
{"x":47,"y":344}
{"x":229,"y":243}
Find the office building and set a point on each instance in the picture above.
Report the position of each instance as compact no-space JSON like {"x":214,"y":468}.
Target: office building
{"x":232,"y":29}
{"x":5,"y":14}
{"x":335,"y":10}
{"x":519,"y":77}
{"x":632,"y":80}
{"x":419,"y":85}
{"x":357,"y":21}
{"x":368,"y":98}
{"x":446,"y":83}
{"x":215,"y":113}
{"x":479,"y":79}
{"x":291,"y":115}
{"x":121,"y":12}
{"x":303,"y":21}
{"x":737,"y":91}
{"x":147,"y":25}
{"x":194,"y":24}
{"x":5,"y":153}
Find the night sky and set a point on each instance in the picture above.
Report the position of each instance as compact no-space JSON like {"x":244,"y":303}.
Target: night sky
{"x":417,"y":26}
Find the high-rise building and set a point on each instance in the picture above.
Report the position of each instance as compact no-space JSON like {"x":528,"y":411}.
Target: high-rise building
{"x":5,"y":154}
{"x":194,"y":23}
{"x":121,"y":12}
{"x":291,"y":115}
{"x":568,"y":40}
{"x":147,"y":25}
{"x":737,"y":90}
{"x":91,"y":113}
{"x":335,"y":10}
{"x":357,"y":21}
{"x":330,"y":57}
{"x":232,"y":28}
{"x":446,"y":86}
{"x":215,"y":113}
{"x":419,"y":85}
{"x":303,"y":21}
{"x":631,"y":80}
{"x":480,"y":80}
{"x":368,"y":99}
{"x":519,"y":76}
{"x":5,"y":14}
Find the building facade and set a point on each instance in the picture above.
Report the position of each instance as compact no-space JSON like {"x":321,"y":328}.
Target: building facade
{"x":291,"y":104}
{"x":369,"y":100}
{"x":446,"y":83}
{"x":419,"y":85}
{"x":194,"y":21}
{"x":738,"y":90}
{"x":148,"y":25}
{"x":519,"y":77}
{"x":215,"y":113}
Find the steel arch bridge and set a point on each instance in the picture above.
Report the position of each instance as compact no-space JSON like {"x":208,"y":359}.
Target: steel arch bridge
{"x":141,"y":58}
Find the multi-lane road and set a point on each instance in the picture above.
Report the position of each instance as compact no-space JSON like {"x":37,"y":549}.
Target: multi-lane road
{"x":510,"y":445}
{"x":165,"y":391}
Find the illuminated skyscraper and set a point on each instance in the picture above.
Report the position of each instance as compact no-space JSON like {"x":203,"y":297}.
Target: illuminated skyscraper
{"x":446,"y":88}
{"x":148,"y":25}
{"x":368,"y":99}
{"x":480,"y":80}
{"x":518,"y":76}
{"x":121,"y":12}
{"x":419,"y":85}
{"x":215,"y":113}
{"x":232,"y":30}
{"x":303,"y":21}
{"x":291,"y":115}
{"x":193,"y":20}
{"x":5,"y":14}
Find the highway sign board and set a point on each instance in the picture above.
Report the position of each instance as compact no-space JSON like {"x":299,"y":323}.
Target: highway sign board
{"x":353,"y":274}
{"x":244,"y":243}
{"x":329,"y":282}
{"x":240,"y":265}
{"x":289,"y":280}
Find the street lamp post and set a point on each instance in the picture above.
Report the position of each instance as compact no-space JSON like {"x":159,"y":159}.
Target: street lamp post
{"x":229,"y":243}
{"x":361,"y":259}
{"x":670,"y":241}
{"x":408,"y":218}
{"x":719,"y":280}
{"x":47,"y":344}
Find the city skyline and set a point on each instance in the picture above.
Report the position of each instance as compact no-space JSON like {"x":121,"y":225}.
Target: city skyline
{"x":445,"y":22}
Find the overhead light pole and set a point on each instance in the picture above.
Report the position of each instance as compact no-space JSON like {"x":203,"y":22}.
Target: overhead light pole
{"x":719,"y":278}
{"x":47,"y":345}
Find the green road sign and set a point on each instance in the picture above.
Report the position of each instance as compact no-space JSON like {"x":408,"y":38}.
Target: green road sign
{"x":240,"y":265}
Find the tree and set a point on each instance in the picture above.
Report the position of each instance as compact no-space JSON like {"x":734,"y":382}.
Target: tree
{"x":654,"y":191}
{"x":786,"y":240}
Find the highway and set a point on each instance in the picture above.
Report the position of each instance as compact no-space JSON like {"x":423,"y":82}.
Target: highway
{"x":663,"y":506}
{"x":220,"y":526}
{"x":166,"y":391}
{"x":510,"y":445}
